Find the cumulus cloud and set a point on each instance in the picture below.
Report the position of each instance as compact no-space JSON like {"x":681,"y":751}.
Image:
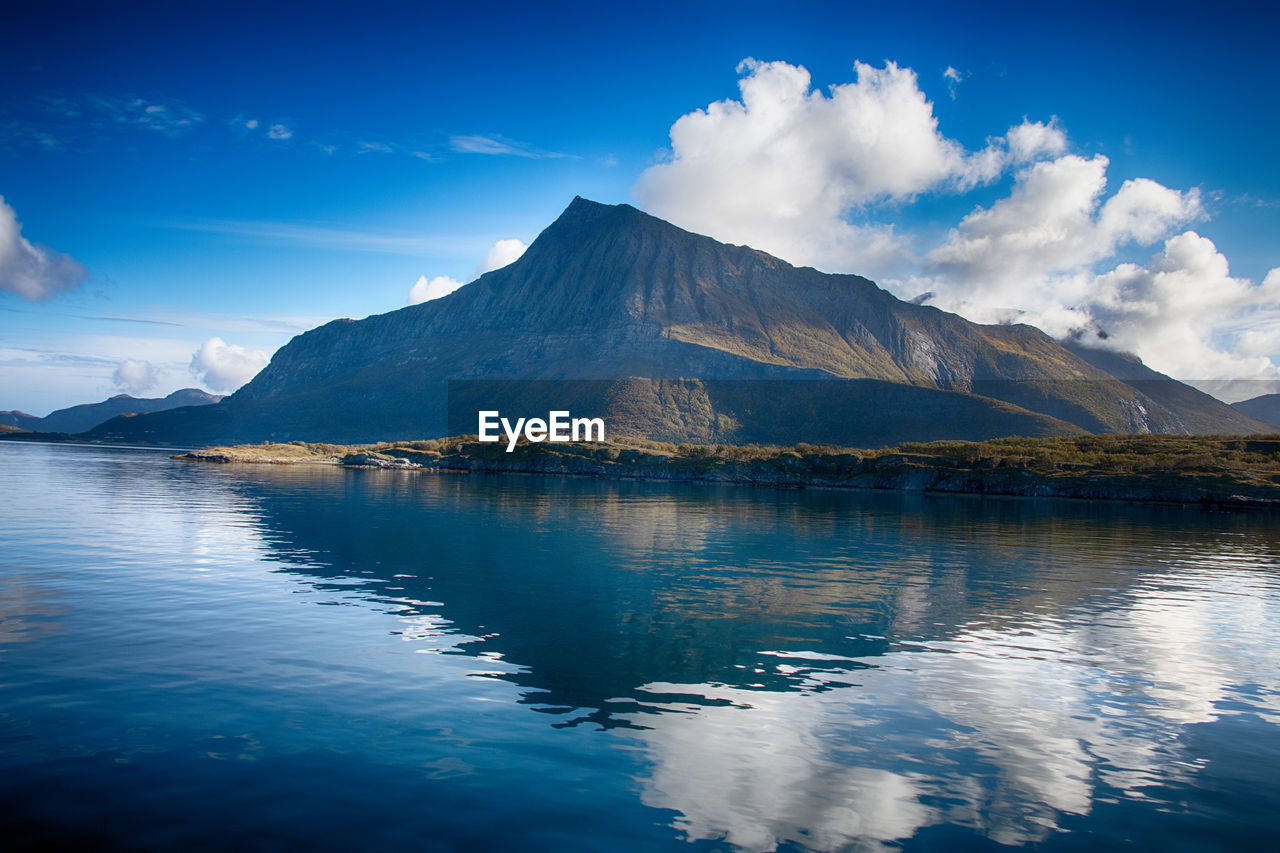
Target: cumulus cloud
{"x":1185,"y":312}
{"x":1045,"y":255}
{"x":821,"y":177}
{"x":500,"y":254}
{"x":225,"y":367}
{"x":425,"y":289}
{"x":782,"y":168}
{"x":1028,"y":248}
{"x":1031,"y":139}
{"x":135,"y":376}
{"x":29,"y":270}
{"x":279,"y":131}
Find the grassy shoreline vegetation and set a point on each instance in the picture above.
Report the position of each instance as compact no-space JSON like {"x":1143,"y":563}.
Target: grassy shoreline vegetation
{"x":1215,"y":470}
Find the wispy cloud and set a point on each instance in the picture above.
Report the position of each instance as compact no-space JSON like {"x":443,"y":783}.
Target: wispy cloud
{"x":27,"y":134}
{"x":78,"y":122}
{"x":497,"y":145}
{"x":56,"y":122}
{"x":247,"y":126}
{"x":341,"y":239}
{"x":243,"y":325}
{"x":21,"y":356}
{"x":290,"y":324}
{"x":97,"y":317}
{"x":170,"y":118}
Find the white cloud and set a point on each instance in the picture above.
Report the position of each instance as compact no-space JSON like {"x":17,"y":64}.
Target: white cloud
{"x":954,"y":78}
{"x":500,"y":254}
{"x":225,"y":367}
{"x":135,"y":376}
{"x":425,"y":289}
{"x":340,"y":239}
{"x":782,"y":169}
{"x":251,"y":124}
{"x":279,"y":131}
{"x":1031,"y":139}
{"x":1185,"y":312}
{"x":821,"y":178}
{"x":496,"y":145}
{"x":47,"y":367}
{"x":1029,"y":250}
{"x":1031,"y":257}
{"x":29,"y":270}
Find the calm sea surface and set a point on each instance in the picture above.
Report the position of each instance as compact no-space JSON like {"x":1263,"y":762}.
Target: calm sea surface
{"x":200,"y":657}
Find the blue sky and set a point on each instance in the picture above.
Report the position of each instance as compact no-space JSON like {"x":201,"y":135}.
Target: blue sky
{"x":238,"y":173}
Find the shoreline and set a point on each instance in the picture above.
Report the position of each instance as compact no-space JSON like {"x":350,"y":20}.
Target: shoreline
{"x":1201,"y":470}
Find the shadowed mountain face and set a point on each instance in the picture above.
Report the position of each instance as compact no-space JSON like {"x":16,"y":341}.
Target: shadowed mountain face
{"x":88,"y":415}
{"x":1264,"y":408}
{"x":663,"y":317}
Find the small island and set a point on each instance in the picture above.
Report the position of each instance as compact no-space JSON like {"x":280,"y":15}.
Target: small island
{"x":1209,"y":470}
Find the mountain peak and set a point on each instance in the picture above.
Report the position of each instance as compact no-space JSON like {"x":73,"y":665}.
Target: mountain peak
{"x":584,"y":216}
{"x":610,"y":293}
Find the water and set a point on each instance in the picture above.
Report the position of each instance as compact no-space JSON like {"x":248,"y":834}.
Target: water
{"x":197,"y":656}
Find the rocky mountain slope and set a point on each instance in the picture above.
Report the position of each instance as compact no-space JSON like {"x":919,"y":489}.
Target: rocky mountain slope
{"x":675,"y":336}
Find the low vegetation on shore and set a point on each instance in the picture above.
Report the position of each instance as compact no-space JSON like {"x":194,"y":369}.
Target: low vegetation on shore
{"x":1184,"y":469}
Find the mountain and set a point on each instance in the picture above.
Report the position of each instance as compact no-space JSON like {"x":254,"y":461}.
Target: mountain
{"x":19,"y":420}
{"x":1264,"y":408}
{"x":674,"y":335}
{"x":1181,"y":408}
{"x":86,"y":416}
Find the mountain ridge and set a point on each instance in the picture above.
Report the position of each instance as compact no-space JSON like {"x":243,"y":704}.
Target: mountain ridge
{"x":609,"y":293}
{"x":86,"y":416}
{"x":1265,"y":408}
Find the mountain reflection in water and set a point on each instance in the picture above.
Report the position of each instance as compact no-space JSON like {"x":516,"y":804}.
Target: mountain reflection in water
{"x":810,"y":668}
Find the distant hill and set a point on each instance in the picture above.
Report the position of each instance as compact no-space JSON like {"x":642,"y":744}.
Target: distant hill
{"x":675,"y":336}
{"x":19,"y":420}
{"x":1264,"y":408}
{"x":86,"y":416}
